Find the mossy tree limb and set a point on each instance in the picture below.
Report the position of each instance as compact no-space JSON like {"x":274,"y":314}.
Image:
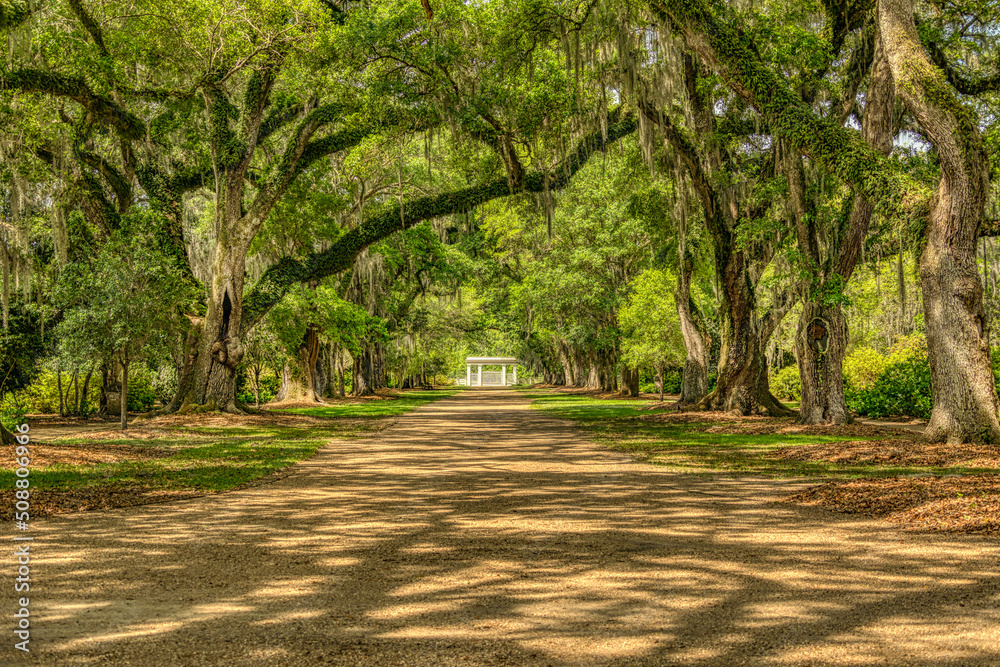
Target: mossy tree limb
{"x":276,"y":281}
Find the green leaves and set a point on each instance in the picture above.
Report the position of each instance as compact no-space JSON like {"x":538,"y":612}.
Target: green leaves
{"x":123,"y":302}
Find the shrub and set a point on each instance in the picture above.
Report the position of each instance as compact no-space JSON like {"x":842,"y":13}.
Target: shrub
{"x":141,"y":394}
{"x":903,"y":386}
{"x":165,"y":383}
{"x":42,"y":395}
{"x":11,"y":412}
{"x":269,"y":386}
{"x":907,"y":348}
{"x":862,"y":368}
{"x":673,"y":378}
{"x":786,"y":384}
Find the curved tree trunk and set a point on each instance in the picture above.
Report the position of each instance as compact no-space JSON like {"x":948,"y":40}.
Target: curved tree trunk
{"x":369,"y":370}
{"x":741,"y":385}
{"x":821,"y":365}
{"x":694,"y":383}
{"x":965,"y":399}
{"x":298,"y":382}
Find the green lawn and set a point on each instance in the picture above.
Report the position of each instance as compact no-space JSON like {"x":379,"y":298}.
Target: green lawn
{"x":387,"y":408}
{"x":621,"y":426}
{"x":217,"y":458}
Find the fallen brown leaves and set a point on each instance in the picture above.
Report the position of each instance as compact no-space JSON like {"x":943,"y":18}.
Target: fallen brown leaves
{"x":966,"y":504}
{"x":768,"y":426}
{"x":46,"y":455}
{"x":738,"y":422}
{"x":48,"y":503}
{"x":899,"y":451}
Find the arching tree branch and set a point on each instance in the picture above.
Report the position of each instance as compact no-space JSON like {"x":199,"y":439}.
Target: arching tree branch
{"x":276,"y":281}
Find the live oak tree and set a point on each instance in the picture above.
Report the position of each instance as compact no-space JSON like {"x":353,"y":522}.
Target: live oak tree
{"x":733,"y":177}
{"x":965,"y":400}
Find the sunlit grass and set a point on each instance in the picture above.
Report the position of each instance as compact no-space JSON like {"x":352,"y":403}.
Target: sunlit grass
{"x":217,"y":458}
{"x":376,"y":408}
{"x":619,"y":425}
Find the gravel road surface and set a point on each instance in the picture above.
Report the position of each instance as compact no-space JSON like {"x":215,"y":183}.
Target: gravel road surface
{"x":476,"y":531}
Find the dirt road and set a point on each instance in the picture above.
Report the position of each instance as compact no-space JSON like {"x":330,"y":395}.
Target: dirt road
{"x":476,"y":531}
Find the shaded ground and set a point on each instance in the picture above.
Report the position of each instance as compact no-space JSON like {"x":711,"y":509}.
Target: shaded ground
{"x":966,"y":503}
{"x":478,"y":531}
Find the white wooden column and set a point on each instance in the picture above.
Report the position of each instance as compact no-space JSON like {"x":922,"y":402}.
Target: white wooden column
{"x":515,"y":373}
{"x":468,"y":375}
{"x":503,"y":375}
{"x":479,"y":376}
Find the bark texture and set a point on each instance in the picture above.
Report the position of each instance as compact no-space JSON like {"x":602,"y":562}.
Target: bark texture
{"x":820,"y":345}
{"x":697,"y":342}
{"x":965,"y":399}
{"x":369,"y":370}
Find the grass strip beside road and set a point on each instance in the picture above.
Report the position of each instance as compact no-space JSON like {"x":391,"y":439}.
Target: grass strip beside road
{"x":710,"y":445}
{"x":177,"y":456}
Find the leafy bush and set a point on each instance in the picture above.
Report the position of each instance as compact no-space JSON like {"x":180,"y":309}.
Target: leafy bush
{"x":141,"y":392}
{"x":786,"y":384}
{"x":42,"y":395}
{"x":673,"y":378}
{"x":903,"y":387}
{"x":165,"y":383}
{"x":269,"y":386}
{"x":862,"y":368}
{"x":907,"y":348}
{"x":11,"y":412}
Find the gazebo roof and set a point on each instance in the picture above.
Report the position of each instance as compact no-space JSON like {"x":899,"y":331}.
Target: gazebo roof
{"x":490,"y":361}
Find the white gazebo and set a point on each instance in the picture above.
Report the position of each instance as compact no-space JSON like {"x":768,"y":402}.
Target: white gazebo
{"x":479,"y":378}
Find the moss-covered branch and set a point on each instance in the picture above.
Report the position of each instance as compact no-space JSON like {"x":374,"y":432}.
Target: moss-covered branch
{"x":13,"y":13}
{"x":277,"y":280}
{"x":90,"y":25}
{"x":961,"y":83}
{"x":712,"y":30}
{"x":115,"y":178}
{"x":74,"y":88}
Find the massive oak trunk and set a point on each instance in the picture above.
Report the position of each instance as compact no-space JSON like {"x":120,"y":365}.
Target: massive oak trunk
{"x":630,"y":381}
{"x":299,"y":380}
{"x":564,"y":361}
{"x":601,"y":376}
{"x":741,"y":385}
{"x":213,"y":379}
{"x":965,"y":398}
{"x":820,"y":345}
{"x":369,"y":370}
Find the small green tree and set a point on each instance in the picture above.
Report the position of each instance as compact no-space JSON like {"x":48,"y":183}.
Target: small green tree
{"x":650,"y":326}
{"x":122,"y":304}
